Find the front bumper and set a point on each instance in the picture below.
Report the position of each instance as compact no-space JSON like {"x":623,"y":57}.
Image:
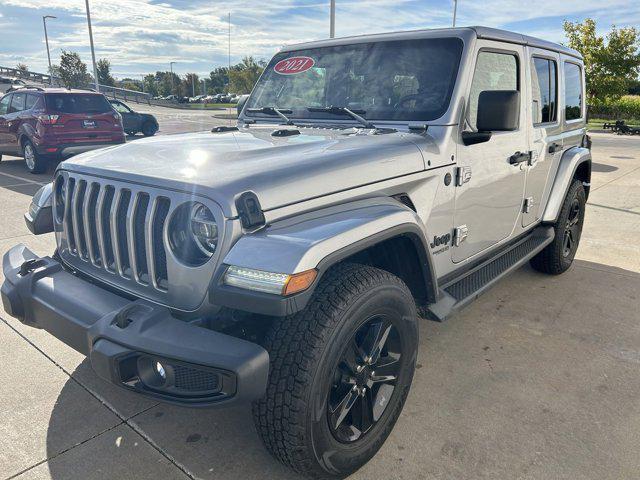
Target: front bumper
{"x":132,"y":343}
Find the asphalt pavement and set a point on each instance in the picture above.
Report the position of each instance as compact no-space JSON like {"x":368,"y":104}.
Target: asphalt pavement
{"x":538,"y":379}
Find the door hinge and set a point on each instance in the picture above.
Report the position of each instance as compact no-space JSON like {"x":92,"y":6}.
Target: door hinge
{"x":459,"y":235}
{"x":463,"y":175}
{"x":528,"y":205}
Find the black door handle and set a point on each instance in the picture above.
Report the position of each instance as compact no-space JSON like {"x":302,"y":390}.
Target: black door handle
{"x":555,"y":147}
{"x":519,"y":157}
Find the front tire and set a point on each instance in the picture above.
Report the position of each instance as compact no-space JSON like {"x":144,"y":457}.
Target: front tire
{"x":340,"y":372}
{"x":149,"y":129}
{"x":557,"y":257}
{"x":35,"y":162}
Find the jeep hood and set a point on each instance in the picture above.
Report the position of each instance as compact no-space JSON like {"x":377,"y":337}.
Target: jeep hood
{"x":279,"y":170}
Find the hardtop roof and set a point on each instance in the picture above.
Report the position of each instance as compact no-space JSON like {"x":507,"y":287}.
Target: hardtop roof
{"x":478,"y":31}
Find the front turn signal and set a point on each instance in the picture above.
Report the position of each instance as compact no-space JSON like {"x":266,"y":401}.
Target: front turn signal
{"x":299,"y":282}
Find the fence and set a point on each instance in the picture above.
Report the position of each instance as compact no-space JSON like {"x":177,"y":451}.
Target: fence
{"x":43,"y":79}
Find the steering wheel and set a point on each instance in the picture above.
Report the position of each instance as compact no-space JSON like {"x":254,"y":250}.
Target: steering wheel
{"x":408,"y":98}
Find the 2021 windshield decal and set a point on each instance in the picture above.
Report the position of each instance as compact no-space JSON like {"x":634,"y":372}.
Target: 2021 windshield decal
{"x":294,"y":65}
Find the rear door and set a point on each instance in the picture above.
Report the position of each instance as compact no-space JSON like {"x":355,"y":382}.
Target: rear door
{"x":545,"y":130}
{"x":81,"y":118}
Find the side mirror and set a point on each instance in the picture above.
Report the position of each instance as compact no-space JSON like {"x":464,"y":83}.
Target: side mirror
{"x":39,"y":217}
{"x":498,"y":111}
{"x":241,"y":102}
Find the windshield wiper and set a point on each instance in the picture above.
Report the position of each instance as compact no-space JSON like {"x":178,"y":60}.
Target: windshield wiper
{"x":344,"y":110}
{"x":273,"y":111}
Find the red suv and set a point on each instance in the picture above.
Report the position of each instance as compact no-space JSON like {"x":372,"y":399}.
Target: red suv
{"x":41,"y":124}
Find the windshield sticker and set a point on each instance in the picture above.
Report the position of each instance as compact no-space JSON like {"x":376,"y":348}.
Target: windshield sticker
{"x":294,"y":65}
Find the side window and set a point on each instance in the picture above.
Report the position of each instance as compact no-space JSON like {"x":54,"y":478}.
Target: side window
{"x":544,"y":89}
{"x":17,"y":102}
{"x":494,"y":71}
{"x":572,"y":91}
{"x":31,"y":101}
{"x":120,"y":107}
{"x":4,"y":104}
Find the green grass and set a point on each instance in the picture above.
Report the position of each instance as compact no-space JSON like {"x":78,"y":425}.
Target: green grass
{"x":207,"y":106}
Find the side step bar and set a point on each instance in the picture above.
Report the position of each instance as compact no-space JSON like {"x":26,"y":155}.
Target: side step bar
{"x":460,"y":291}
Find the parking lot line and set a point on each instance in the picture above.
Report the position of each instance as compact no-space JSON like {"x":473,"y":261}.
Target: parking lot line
{"x":25,"y":180}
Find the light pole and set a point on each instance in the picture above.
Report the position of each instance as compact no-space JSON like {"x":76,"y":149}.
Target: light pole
{"x":46,"y":40}
{"x":229,"y":71}
{"x":332,"y":20}
{"x":455,"y":9}
{"x":171,"y":68}
{"x":93,"y":52}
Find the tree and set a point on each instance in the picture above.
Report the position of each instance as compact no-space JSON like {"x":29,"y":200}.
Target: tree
{"x":244,"y":75}
{"x":218,"y":79}
{"x":72,"y":71}
{"x":150,"y":85}
{"x":22,"y":67}
{"x":104,"y":72}
{"x":191,"y":84}
{"x":612,"y":63}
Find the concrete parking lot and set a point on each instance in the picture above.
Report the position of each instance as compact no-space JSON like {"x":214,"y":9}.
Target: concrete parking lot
{"x":538,"y":379}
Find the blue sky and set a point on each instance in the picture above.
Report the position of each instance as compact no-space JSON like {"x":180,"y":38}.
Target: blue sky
{"x":140,"y":36}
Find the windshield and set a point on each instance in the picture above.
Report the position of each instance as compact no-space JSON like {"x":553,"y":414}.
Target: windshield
{"x":394,"y":80}
{"x":77,"y":103}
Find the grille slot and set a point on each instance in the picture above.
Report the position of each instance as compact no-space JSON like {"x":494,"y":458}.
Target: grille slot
{"x":117,"y":229}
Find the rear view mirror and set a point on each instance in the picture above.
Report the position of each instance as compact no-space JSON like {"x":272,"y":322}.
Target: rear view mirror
{"x":498,"y":111}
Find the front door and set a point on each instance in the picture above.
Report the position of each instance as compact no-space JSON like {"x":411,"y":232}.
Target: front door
{"x":489,"y":202}
{"x":546,"y":133}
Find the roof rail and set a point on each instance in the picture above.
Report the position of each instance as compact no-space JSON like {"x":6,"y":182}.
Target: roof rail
{"x":26,"y":87}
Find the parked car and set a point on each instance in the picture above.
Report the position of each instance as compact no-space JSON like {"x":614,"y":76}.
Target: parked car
{"x":7,"y":83}
{"x":134,"y":122}
{"x":283,"y":261}
{"x":43,"y":124}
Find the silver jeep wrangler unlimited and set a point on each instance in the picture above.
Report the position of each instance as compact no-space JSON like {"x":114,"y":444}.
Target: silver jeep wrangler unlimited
{"x":284,"y":261}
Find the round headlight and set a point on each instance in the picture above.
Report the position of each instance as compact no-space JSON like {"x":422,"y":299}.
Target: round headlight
{"x":193,"y":233}
{"x":204,"y":228}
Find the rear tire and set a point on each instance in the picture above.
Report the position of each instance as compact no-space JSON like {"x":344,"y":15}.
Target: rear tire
{"x":35,"y":162}
{"x":557,"y":257}
{"x":326,"y":411}
{"x":149,"y":129}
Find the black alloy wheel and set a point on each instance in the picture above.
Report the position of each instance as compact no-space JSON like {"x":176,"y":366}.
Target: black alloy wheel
{"x":364,"y":379}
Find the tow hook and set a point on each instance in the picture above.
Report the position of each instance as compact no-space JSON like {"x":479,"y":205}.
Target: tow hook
{"x":30,"y":265}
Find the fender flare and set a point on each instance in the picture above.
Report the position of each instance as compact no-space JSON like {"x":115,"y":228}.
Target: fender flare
{"x":569,"y":164}
{"x":319,"y":240}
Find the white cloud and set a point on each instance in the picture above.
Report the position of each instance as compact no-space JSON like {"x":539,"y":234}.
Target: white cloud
{"x":139,"y":35}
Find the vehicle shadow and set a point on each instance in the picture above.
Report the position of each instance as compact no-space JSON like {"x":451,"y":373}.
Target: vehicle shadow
{"x":208,"y":443}
{"x":509,"y":352}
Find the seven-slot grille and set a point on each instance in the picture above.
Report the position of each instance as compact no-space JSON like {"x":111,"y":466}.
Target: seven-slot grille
{"x":117,"y":229}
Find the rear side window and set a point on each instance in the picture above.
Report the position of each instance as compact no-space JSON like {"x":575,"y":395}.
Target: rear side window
{"x":17,"y":102}
{"x":544,"y":89}
{"x":572,"y":91}
{"x":31,"y":101}
{"x":77,"y":103}
{"x":494,"y":71}
{"x":4,"y":104}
